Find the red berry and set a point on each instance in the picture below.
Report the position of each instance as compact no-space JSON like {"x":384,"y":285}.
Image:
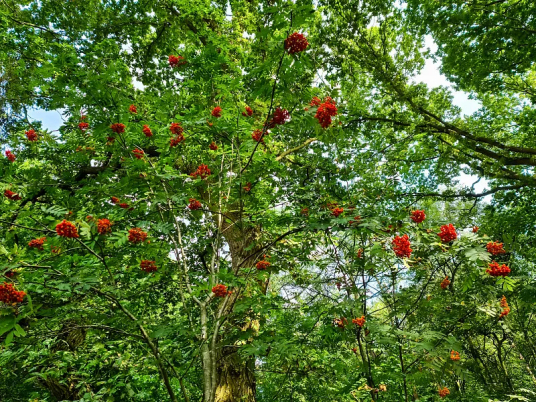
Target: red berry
{"x":148,"y":266}
{"x":118,"y":128}
{"x":216,"y":112}
{"x":248,"y":111}
{"x":10,"y":156}
{"x":194,"y":204}
{"x":37,"y":243}
{"x":402,"y":247}
{"x":418,"y":216}
{"x":176,"y":128}
{"x":315,"y":101}
{"x":496,"y":270}
{"x":220,"y":290}
{"x":262,"y":265}
{"x":66,"y":229}
{"x":325,"y":112}
{"x":138,"y":153}
{"x":202,"y":172}
{"x":11,"y":195}
{"x":9,"y":295}
{"x":104,"y":226}
{"x":281,"y":116}
{"x":136,"y":235}
{"x":257,"y":135}
{"x":359,"y":321}
{"x":448,"y":233}
{"x":495,"y":248}
{"x":337,"y":211}
{"x":296,"y":43}
{"x":31,"y":135}
{"x":443,"y":392}
{"x":176,"y":61}
{"x":147,"y":131}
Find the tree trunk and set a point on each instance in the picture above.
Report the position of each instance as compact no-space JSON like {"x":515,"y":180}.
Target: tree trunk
{"x":235,"y":376}
{"x":235,"y":379}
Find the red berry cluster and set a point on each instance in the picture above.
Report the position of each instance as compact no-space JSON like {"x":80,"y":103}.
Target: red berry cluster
{"x":220,"y":290}
{"x":9,"y":295}
{"x":296,"y":43}
{"x":118,"y":128}
{"x":115,"y":200}
{"x":176,"y":61}
{"x":443,"y":392}
{"x":257,"y":135}
{"x":475,"y":229}
{"x":133,"y":109}
{"x":448,"y":233}
{"x":495,"y":248}
{"x":315,"y":101}
{"x":304,"y":211}
{"x":148,"y":266}
{"x":138,"y":153}
{"x":360,"y":253}
{"x":136,"y":235}
{"x":124,"y":205}
{"x":11,"y":195}
{"x":213,"y":146}
{"x":216,"y":112}
{"x":337,"y":211}
{"x":359,"y":321}
{"x":402,"y":247}
{"x":66,"y":229}
{"x":331,"y":205}
{"x":248,"y":112}
{"x":110,"y":140}
{"x":247,"y":187}
{"x":194,"y":204}
{"x":177,"y":130}
{"x":173,"y":142}
{"x":340,"y":322}
{"x":418,"y":216}
{"x":496,"y":270}
{"x":37,"y":243}
{"x":325,"y":112}
{"x":202,"y":172}
{"x":455,"y":356}
{"x":281,"y":116}
{"x":506,"y":308}
{"x":104,"y":226}
{"x":83,"y":126}
{"x":147,"y":131}
{"x":262,"y":265}
{"x":445,"y":283}
{"x":10,"y":156}
{"x":31,"y":135}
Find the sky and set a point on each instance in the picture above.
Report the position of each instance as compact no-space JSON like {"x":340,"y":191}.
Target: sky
{"x":430,"y":75}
